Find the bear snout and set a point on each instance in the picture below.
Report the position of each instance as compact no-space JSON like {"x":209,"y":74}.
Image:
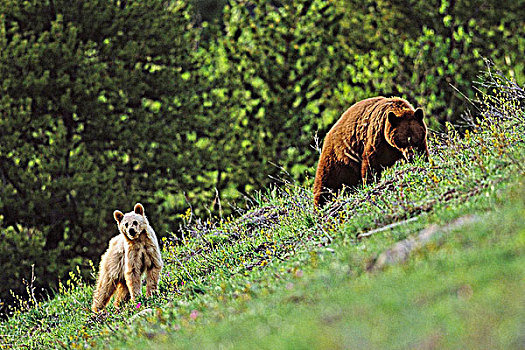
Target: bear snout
{"x":132,"y":232}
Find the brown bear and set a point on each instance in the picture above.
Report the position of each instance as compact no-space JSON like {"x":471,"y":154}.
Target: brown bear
{"x":130,"y":254}
{"x":371,"y":135}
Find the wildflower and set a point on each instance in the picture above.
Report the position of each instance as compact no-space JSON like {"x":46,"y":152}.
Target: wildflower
{"x":139,"y":305}
{"x":194,"y":314}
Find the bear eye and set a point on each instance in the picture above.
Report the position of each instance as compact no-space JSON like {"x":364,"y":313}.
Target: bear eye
{"x":135,"y":223}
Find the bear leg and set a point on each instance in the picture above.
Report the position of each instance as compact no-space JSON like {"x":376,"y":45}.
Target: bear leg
{"x":152,"y":280}
{"x":370,"y":169}
{"x":333,"y":179}
{"x":121,"y":294}
{"x":105,"y":290}
{"x":319,"y":182}
{"x":133,"y":283}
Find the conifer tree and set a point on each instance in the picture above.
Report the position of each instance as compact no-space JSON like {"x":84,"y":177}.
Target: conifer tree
{"x":94,"y":103}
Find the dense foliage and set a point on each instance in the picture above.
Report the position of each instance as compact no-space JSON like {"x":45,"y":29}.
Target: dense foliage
{"x":106,"y":103}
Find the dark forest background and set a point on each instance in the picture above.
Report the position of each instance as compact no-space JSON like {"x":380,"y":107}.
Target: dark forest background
{"x":197,"y":104}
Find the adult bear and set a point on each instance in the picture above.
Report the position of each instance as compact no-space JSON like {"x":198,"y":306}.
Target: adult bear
{"x":371,"y":135}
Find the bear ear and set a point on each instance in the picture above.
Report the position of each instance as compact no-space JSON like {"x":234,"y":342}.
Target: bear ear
{"x":117,"y":214}
{"x":419,"y":114}
{"x":393,"y":118}
{"x":139,"y":209}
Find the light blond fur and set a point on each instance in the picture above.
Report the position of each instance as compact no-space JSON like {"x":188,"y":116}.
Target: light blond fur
{"x":130,"y":254}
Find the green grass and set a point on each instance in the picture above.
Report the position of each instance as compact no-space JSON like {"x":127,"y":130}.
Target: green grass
{"x":286,"y":275}
{"x":463,"y":290}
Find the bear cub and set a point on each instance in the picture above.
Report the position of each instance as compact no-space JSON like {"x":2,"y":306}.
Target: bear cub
{"x":130,"y":254}
{"x":371,"y":135}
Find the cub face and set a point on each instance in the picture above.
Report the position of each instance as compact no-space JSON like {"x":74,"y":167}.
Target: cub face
{"x":407,"y":133}
{"x":132,"y":224}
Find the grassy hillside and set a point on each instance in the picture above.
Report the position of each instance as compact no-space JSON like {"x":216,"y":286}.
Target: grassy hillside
{"x":285,"y":275}
{"x":462,"y":290}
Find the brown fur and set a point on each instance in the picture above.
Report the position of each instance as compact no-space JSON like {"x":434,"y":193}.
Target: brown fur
{"x":371,"y":135}
{"x":130,"y":254}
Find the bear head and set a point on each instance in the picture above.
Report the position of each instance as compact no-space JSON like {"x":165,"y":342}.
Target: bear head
{"x":133,"y":224}
{"x":407,"y":132}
